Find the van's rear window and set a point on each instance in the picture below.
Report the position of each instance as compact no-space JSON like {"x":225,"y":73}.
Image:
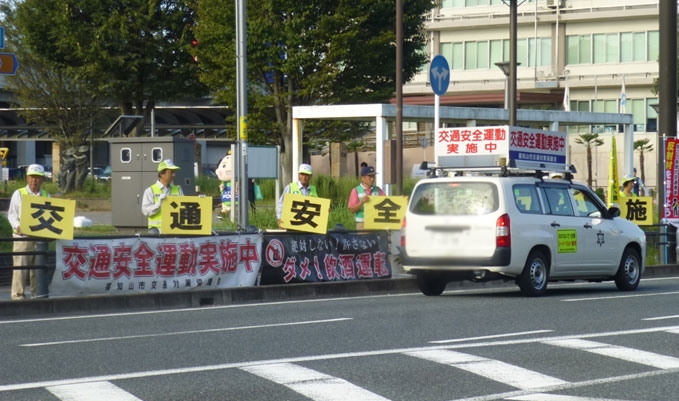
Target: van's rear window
{"x":455,"y":198}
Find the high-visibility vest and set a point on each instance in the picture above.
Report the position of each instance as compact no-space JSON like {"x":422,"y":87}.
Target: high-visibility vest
{"x":360,"y":215}
{"x":154,"y":219}
{"x":296,"y":190}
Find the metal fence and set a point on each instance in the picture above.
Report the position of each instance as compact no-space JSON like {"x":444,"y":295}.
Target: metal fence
{"x":661,"y":248}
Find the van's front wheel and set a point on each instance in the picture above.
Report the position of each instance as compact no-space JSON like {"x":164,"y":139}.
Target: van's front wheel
{"x":535,"y":275}
{"x":431,"y":284}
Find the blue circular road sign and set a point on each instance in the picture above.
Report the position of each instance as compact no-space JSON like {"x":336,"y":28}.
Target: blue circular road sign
{"x":439,"y":75}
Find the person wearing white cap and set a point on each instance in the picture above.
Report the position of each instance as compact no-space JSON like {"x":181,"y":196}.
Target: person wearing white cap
{"x":161,"y":189}
{"x":627,"y":187}
{"x":299,"y":187}
{"x":35,"y":176}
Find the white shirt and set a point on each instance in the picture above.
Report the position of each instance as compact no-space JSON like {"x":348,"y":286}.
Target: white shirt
{"x":149,"y":207}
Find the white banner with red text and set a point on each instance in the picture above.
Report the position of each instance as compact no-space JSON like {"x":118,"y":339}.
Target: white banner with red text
{"x":124,"y":266}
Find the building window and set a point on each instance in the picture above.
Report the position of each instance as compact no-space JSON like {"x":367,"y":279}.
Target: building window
{"x":484,"y":54}
{"x":653,"y":46}
{"x":612,"y":48}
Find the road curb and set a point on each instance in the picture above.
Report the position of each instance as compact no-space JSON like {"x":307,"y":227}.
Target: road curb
{"x":206,"y":298}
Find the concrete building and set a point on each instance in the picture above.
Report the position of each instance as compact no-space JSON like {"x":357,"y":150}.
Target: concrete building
{"x":595,"y":49}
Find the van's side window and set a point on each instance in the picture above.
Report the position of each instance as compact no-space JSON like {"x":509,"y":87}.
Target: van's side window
{"x":587,"y":206}
{"x":558,"y":201}
{"x":526,"y":199}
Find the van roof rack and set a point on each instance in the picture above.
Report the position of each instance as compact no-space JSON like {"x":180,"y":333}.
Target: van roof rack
{"x":552,"y":171}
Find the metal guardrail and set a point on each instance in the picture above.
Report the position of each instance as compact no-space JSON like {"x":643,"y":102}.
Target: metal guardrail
{"x":41,"y":266}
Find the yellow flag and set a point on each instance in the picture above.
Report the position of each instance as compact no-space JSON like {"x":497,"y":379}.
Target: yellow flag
{"x":613,"y":184}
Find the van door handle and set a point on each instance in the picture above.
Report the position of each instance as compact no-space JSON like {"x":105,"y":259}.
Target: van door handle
{"x":587,"y":225}
{"x":555,"y":224}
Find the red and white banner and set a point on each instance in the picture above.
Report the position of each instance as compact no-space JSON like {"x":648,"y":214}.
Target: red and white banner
{"x":671,"y":179}
{"x":152,"y":265}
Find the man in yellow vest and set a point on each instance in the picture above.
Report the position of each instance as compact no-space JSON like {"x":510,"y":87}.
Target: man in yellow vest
{"x":299,"y":187}
{"x":154,"y":195}
{"x":35,"y":176}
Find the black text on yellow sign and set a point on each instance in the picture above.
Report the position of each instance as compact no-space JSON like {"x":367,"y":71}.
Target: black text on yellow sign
{"x":47,"y":217}
{"x":186,"y":215}
{"x":384,"y":212}
{"x":305,"y":213}
{"x":638,"y":209}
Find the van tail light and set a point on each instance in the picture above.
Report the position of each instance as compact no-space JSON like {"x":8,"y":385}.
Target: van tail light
{"x":503,"y":235}
{"x":403,"y":236}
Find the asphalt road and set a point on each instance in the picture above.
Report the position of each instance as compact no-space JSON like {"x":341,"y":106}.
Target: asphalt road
{"x":580,"y":342}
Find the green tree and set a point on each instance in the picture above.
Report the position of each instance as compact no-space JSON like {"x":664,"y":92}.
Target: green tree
{"x":589,"y":141}
{"x":643,"y":146}
{"x":134,"y":52}
{"x":306,"y":53}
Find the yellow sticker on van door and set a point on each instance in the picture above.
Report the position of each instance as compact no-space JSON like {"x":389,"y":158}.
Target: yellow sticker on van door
{"x":567,"y":241}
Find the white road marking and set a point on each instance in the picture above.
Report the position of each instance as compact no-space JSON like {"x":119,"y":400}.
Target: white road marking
{"x":499,"y":371}
{"x":554,"y":397}
{"x":521,"y":333}
{"x":196,"y":369}
{"x":178,"y":333}
{"x":626,"y":354}
{"x":312,"y":384}
{"x":92,"y":391}
{"x":656,"y":294}
{"x":662,"y":317}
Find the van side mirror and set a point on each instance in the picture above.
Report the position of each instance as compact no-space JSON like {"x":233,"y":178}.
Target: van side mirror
{"x":613,"y":211}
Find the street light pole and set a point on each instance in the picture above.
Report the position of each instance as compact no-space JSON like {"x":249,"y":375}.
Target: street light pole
{"x":513,"y":5}
{"x":505,"y":66}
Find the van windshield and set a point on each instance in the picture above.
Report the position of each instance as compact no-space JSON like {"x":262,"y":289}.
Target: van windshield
{"x":455,"y":198}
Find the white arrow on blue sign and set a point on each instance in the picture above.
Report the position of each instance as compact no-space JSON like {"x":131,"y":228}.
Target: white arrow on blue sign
{"x":439,"y":75}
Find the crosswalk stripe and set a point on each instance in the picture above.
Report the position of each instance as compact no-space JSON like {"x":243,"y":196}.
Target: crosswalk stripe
{"x":623,"y":353}
{"x":495,"y":370}
{"x":554,"y":397}
{"x":312,"y":384}
{"x":91,"y":391}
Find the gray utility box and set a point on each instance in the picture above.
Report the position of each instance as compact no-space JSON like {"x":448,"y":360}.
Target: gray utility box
{"x":134,"y":167}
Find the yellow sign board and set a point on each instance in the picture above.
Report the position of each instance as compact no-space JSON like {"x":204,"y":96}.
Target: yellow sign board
{"x":47,"y":217}
{"x":385,"y":212}
{"x":638,"y":209}
{"x":305,"y":213}
{"x":184,"y":215}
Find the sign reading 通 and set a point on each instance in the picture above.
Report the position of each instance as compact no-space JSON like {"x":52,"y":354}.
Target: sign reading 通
{"x":186,"y":215}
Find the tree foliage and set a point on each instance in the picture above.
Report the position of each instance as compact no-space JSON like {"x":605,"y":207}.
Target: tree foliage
{"x":314,"y":52}
{"x":133,"y":52}
{"x":49,"y":96}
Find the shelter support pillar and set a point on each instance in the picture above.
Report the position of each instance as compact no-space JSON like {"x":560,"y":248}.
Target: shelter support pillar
{"x":296,"y":150}
{"x":381,"y":135}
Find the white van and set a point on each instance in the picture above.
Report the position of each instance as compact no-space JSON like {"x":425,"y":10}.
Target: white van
{"x":513,"y":226}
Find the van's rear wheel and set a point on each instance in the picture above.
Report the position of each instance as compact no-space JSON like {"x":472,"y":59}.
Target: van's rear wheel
{"x":431,"y":284}
{"x":535,"y":275}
